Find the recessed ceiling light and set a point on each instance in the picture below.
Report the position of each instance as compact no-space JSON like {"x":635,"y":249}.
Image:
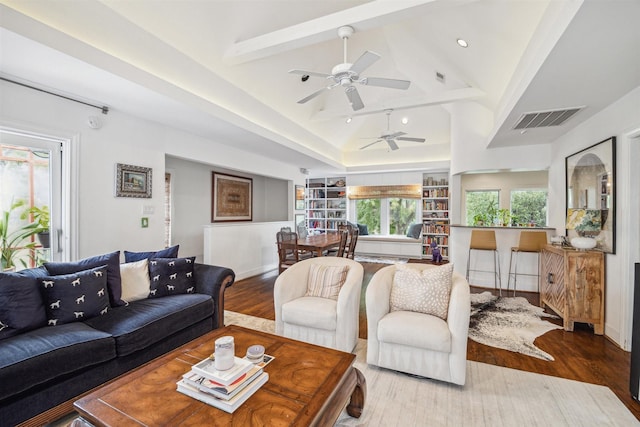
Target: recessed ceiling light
{"x":462,"y":43}
{"x":348,"y":120}
{"x":405,"y":120}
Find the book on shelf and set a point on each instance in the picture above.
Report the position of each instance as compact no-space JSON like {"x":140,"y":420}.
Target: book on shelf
{"x":229,"y":405}
{"x":206,"y":368}
{"x":218,"y":390}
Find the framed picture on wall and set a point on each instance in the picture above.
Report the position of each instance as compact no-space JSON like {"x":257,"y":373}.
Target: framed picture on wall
{"x":299,"y":197}
{"x":133,"y":181}
{"x":231,"y":198}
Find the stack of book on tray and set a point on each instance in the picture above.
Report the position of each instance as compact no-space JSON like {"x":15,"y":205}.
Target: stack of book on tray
{"x":225,"y":390}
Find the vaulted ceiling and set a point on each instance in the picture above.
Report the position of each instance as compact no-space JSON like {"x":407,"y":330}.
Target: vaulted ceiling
{"x":220,"y":68}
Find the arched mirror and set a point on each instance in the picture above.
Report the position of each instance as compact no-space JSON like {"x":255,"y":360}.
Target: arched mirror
{"x":590,"y":178}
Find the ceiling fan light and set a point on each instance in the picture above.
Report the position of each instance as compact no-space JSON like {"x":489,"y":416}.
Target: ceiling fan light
{"x":462,"y":43}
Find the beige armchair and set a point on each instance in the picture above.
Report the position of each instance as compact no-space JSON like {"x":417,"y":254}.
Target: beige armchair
{"x":413,"y":342}
{"x":323,"y":321}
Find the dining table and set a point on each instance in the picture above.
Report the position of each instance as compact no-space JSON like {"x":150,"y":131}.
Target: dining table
{"x":319,"y":243}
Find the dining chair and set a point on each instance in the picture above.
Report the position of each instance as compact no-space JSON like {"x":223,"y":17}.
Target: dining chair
{"x":353,"y":240}
{"x":288,"y":252}
{"x":342,"y":247}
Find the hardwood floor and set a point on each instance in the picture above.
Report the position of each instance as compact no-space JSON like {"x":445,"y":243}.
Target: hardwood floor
{"x":579,"y":355}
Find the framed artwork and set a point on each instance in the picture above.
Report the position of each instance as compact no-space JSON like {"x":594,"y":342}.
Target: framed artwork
{"x":231,"y":198}
{"x":133,"y":181}
{"x":591,"y":192}
{"x":299,"y":220}
{"x":299,"y":197}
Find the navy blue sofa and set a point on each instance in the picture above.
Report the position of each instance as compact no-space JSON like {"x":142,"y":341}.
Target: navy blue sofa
{"x":44,"y":370}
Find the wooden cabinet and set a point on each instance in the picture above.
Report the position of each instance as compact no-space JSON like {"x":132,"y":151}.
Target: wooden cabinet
{"x":435,"y":214}
{"x":572,"y":285}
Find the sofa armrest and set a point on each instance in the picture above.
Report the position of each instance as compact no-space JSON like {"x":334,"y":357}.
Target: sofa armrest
{"x":214,"y":280}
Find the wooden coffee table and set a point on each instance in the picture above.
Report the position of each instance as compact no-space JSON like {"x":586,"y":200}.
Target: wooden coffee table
{"x":308,"y":386}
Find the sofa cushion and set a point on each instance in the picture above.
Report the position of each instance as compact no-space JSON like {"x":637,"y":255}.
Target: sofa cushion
{"x":135,"y":280}
{"x":35,"y":357}
{"x":415,"y":330}
{"x":414,"y":231}
{"x":21,"y":305}
{"x":326,"y":280}
{"x":145,"y":322}
{"x":75,"y":297}
{"x":111,"y":260}
{"x":425,"y":291}
{"x":311,"y":312}
{"x":171,"y":276}
{"x":171,"y":252}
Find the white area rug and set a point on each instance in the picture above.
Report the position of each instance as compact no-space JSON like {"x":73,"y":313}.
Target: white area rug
{"x":509,"y":323}
{"x":493,"y":396}
{"x":380,"y":260}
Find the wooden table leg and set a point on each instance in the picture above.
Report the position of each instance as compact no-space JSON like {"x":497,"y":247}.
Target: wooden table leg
{"x":356,"y":404}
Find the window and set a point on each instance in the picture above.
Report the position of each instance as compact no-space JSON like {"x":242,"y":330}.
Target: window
{"x":481,"y":207}
{"x":387,"y":216}
{"x":368,"y":213}
{"x":529,"y":207}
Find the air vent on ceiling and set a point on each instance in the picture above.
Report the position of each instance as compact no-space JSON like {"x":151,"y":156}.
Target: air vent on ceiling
{"x":544,"y":119}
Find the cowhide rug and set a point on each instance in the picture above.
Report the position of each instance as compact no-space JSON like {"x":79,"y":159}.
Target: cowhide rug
{"x":508,"y":323}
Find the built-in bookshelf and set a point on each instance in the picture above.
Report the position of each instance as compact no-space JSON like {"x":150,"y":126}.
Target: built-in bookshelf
{"x":326,"y":203}
{"x":435,"y":213}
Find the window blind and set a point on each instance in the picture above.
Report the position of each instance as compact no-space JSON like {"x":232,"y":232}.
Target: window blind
{"x":413,"y":191}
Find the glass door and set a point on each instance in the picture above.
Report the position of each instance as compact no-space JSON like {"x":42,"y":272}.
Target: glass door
{"x":30,"y":193}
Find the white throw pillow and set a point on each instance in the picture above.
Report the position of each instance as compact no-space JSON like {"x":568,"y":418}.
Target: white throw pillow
{"x":135,"y":280}
{"x":326,"y":280}
{"x":425,"y":291}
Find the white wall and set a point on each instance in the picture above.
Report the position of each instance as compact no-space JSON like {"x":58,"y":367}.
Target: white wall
{"x":191,"y":208}
{"x":107,"y":223}
{"x":618,"y":120}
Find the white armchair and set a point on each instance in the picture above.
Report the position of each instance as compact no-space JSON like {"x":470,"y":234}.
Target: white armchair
{"x":317,"y":320}
{"x":413,"y":342}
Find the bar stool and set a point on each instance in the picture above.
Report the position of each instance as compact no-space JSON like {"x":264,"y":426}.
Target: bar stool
{"x":485,"y":240}
{"x":529,"y":242}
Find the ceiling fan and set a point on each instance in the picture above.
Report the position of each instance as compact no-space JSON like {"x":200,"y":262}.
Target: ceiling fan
{"x":392,"y":137}
{"x":347,"y":74}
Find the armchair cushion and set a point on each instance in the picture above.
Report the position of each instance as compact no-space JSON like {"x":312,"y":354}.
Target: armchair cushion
{"x":326,"y":280}
{"x":425,"y":291}
{"x":311,"y":312}
{"x":409,"y":328}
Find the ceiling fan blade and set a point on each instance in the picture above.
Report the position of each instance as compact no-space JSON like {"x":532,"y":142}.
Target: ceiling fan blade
{"x":406,"y":138}
{"x":382,"y":82}
{"x":313,"y":95}
{"x":392,"y":144}
{"x":397,"y":134}
{"x":369,"y":145}
{"x":310,"y":73}
{"x":354,"y":98}
{"x":364,"y":62}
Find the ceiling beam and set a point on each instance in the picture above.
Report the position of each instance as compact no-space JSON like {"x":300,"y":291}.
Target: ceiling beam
{"x":447,"y":97}
{"x":364,"y":17}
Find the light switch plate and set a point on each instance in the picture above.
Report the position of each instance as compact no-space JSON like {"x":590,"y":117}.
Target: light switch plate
{"x":148,"y":210}
{"x":144,"y":222}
